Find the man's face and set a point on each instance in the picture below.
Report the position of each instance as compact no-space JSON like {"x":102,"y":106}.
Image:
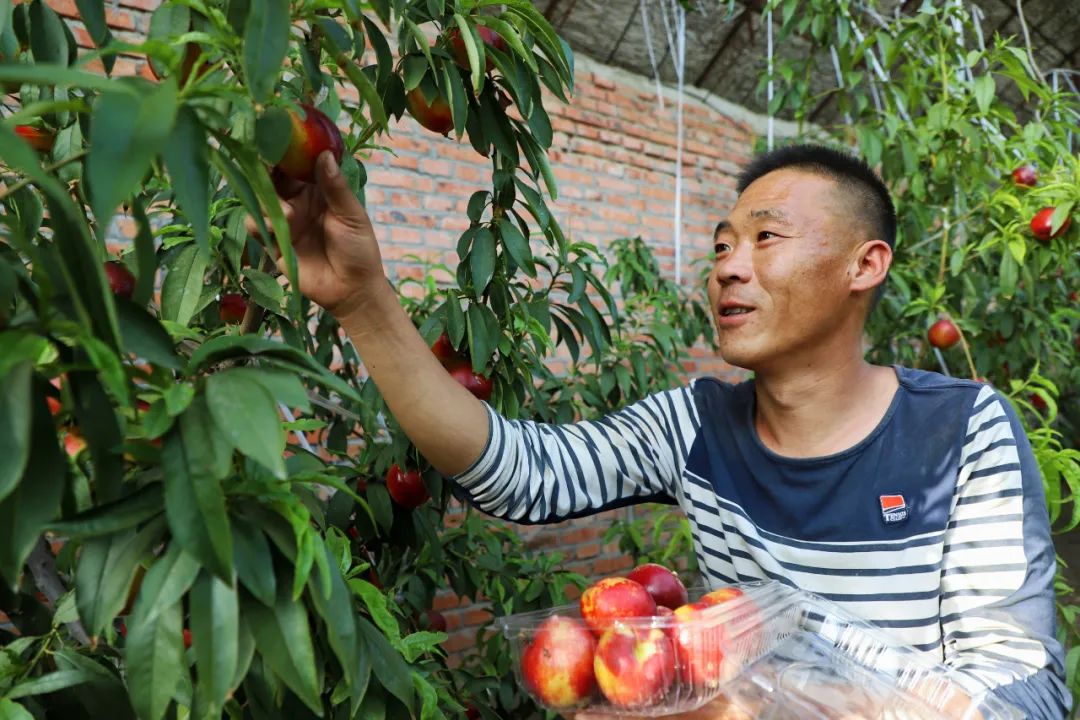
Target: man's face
{"x":781,"y":280}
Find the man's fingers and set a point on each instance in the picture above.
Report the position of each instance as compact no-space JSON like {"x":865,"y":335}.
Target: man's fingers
{"x":285,"y":186}
{"x":336,"y":192}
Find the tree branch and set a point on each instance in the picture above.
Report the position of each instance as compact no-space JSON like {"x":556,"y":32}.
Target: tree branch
{"x":43,"y":567}
{"x":14,"y":187}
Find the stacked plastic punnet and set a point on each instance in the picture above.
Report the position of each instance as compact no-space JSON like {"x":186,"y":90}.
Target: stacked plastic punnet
{"x":758,"y":650}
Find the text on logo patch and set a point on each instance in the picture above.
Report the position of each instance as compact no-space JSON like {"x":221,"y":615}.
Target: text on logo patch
{"x":893,"y":508}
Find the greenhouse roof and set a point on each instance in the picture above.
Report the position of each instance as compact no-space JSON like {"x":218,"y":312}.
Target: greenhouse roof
{"x":726,"y":53}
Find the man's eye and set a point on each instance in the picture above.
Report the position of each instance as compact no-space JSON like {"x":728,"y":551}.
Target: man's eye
{"x":765,"y":235}
{"x":721,"y":248}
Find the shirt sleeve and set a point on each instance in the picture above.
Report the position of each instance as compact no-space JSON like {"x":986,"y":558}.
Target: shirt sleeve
{"x":997,"y":602}
{"x":533,"y":472}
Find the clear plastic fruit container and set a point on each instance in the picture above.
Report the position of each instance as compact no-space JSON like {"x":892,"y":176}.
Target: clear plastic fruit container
{"x":769,"y":652}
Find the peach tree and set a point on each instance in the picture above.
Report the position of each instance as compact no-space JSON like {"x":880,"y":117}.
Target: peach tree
{"x":205,"y":510}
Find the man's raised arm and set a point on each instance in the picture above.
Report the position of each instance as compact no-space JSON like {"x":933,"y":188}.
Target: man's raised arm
{"x":529,"y":472}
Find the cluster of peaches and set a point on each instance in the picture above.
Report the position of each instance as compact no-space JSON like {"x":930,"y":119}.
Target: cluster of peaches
{"x":637,"y":642}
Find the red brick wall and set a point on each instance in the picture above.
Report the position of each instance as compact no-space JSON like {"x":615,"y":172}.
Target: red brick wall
{"x":614,"y":158}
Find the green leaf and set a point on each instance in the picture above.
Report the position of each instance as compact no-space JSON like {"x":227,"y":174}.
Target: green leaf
{"x":390,"y":667}
{"x":245,"y":653}
{"x":1018,"y":248}
{"x":111,"y":373}
{"x":1008,"y":274}
{"x":48,"y":41}
{"x":15,"y":416}
{"x":53,"y":74}
{"x":225,"y":347}
{"x":257,"y":178}
{"x":273,"y":131}
{"x":143,"y":336}
{"x":377,"y":606}
{"x":383,"y":56}
{"x":518,"y":246}
{"x":510,"y":34}
{"x":253,"y":561}
{"x":379,"y":501}
{"x":1060,"y":214}
{"x":482,"y":260}
{"x":126,"y":132}
{"x":340,"y":618}
{"x":145,"y":256}
{"x":264,"y":289}
{"x":136,"y":508}
{"x":154,"y":658}
{"x":473,"y":50}
{"x":103,"y":695}
{"x":266,"y":40}
{"x":283,"y":638}
{"x":48,"y":683}
{"x":535,"y":203}
{"x":285,"y":387}
{"x":35,"y":501}
{"x":183,"y":285}
{"x":457,"y":97}
{"x":195,"y":460}
{"x":870,"y":145}
{"x":95,"y":413}
{"x":188,"y":162}
{"x":73,"y":262}
{"x":483,"y":331}
{"x":215,"y":637}
{"x":22,"y":346}
{"x":231,"y":395}
{"x":984,"y":89}
{"x":367,"y":90}
{"x":92,"y":14}
{"x":11,"y":710}
{"x":167,"y":579}
{"x":105,"y":570}
{"x":540,"y":124}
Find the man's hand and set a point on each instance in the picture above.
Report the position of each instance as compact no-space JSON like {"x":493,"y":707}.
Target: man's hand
{"x":719,"y":709}
{"x":335,"y":244}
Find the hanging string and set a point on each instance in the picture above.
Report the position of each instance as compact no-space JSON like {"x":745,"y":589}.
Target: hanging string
{"x":768,"y":35}
{"x":652,"y":54}
{"x":680,"y":65}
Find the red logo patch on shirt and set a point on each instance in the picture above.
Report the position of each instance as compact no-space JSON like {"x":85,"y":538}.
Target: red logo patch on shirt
{"x":893,"y":508}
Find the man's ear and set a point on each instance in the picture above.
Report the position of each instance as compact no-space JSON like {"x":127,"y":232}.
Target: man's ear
{"x":870,"y":265}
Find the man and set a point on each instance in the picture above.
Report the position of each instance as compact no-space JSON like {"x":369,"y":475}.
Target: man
{"x":911,"y":499}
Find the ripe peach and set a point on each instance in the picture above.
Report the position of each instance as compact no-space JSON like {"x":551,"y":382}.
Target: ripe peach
{"x":664,"y":585}
{"x":435,"y":116}
{"x":613,"y":599}
{"x":311,"y":135}
{"x":634,"y":666}
{"x":557,"y":664}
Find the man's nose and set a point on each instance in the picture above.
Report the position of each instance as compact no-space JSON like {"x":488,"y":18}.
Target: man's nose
{"x":734,"y":267}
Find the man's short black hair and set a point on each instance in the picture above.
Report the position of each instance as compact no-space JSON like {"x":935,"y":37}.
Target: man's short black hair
{"x":855,"y":178}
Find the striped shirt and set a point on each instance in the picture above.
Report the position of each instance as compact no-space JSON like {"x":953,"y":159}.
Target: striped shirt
{"x":934,"y":527}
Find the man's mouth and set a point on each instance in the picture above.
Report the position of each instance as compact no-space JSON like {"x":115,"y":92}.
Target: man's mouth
{"x":735,"y":311}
